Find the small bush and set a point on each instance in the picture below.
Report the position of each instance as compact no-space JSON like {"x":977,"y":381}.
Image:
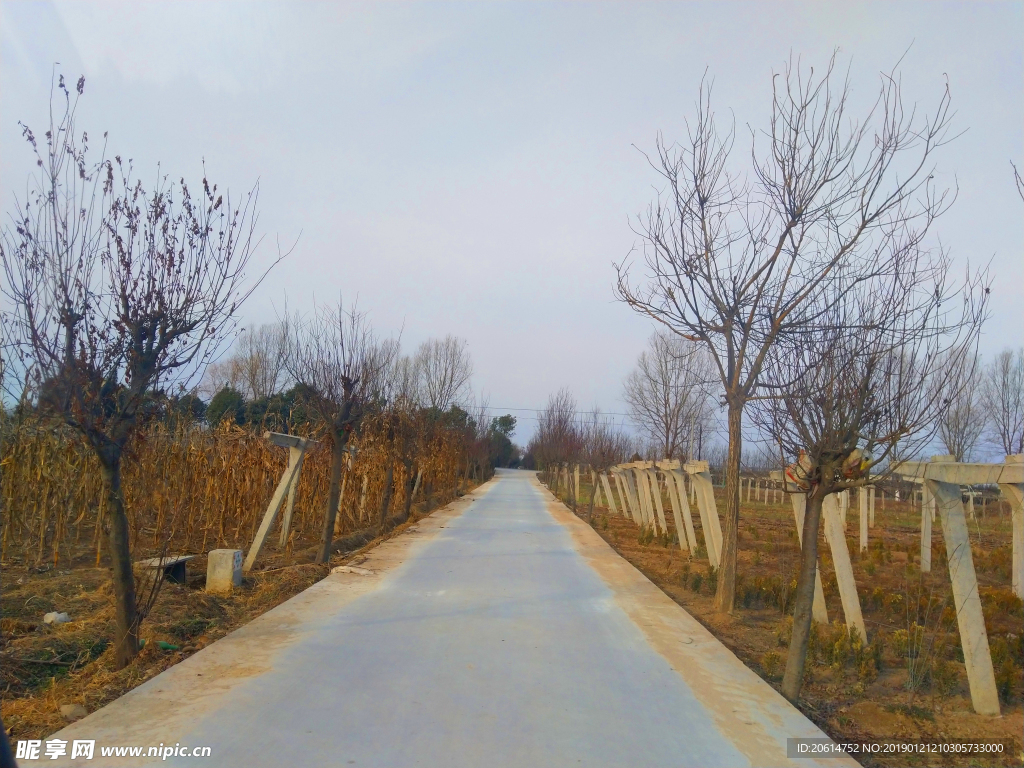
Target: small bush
{"x":712,"y":579}
{"x":945,"y":677}
{"x":771,"y":663}
{"x":696,"y":582}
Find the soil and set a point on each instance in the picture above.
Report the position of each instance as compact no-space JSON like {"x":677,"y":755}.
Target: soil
{"x":856,"y":691}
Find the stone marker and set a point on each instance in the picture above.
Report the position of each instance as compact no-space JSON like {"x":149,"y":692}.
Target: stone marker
{"x":224,"y":570}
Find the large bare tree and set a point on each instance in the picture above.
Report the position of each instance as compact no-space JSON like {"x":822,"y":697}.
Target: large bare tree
{"x":667,"y":392}
{"x":113,"y":291}
{"x":445,"y":368}
{"x":338,"y":357}
{"x":1002,"y":394}
{"x":866,"y":383}
{"x":733,"y":258}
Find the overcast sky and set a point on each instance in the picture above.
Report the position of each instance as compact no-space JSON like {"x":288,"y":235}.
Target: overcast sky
{"x":470,"y":168}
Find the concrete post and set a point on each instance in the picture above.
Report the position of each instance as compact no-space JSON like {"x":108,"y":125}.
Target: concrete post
{"x":862,"y":497}
{"x":967,"y":602}
{"x":677,"y":517}
{"x":270,"y":515}
{"x":871,"y":506}
{"x":643,"y":484}
{"x":818,"y":610}
{"x":684,"y":508}
{"x":926,"y":529}
{"x":844,"y":570}
{"x":701,"y":481}
{"x":295,"y":456}
{"x":634,"y":502}
{"x":608,"y":494}
{"x":658,"y":505}
{"x":223,"y":570}
{"x":1014,"y":494}
{"x":576,"y":484}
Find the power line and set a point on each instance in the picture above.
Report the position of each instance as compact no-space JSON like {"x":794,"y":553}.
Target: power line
{"x":538,"y":410}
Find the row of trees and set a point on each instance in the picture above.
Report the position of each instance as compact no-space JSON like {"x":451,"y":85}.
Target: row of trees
{"x":116,"y":294}
{"x":830,"y":317}
{"x":988,"y":410}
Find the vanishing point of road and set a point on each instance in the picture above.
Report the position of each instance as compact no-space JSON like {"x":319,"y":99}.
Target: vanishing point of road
{"x":498,"y":631}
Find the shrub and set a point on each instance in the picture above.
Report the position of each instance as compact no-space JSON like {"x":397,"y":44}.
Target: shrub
{"x":695,"y":584}
{"x":771,"y":663}
{"x":945,"y":677}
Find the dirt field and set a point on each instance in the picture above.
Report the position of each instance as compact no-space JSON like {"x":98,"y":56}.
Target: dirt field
{"x":44,"y":667}
{"x":909,"y":679}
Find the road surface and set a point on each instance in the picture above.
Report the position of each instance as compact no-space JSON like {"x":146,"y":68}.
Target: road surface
{"x":500,"y":631}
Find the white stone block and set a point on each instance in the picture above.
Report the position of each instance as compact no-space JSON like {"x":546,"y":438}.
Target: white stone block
{"x":224,"y":570}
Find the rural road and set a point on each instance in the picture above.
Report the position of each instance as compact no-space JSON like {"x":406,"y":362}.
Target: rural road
{"x":500,"y":631}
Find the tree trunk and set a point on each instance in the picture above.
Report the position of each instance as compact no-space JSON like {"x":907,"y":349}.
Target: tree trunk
{"x":410,"y":485}
{"x":725,"y":598}
{"x":793,"y":678}
{"x":385,"y":502}
{"x":333,"y":494}
{"x":126,"y":643}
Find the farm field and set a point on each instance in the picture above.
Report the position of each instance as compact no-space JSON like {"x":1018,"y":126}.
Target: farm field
{"x":55,"y":560}
{"x":908,"y":680}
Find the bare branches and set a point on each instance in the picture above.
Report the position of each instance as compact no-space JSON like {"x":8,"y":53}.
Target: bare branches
{"x":667,"y":392}
{"x":1002,"y":396}
{"x":445,"y":368}
{"x":739,"y":261}
{"x":337,"y":356}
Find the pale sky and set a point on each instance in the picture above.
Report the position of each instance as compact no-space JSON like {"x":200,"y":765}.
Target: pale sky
{"x":470,"y":168}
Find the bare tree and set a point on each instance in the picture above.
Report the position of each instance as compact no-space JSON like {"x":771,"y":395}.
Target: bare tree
{"x":113,"y":292}
{"x":445,"y":369}
{"x":603,"y":445}
{"x":558,"y":440}
{"x":261,"y":353}
{"x":667,"y":392}
{"x":962,"y":421}
{"x":733,"y":261}
{"x":342,"y":362}
{"x":866,"y":383}
{"x":1002,"y":394}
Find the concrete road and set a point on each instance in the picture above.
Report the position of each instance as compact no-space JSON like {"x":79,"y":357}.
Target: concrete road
{"x":501,"y":631}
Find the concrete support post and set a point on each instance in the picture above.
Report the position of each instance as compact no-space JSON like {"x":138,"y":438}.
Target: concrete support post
{"x":1014,"y":494}
{"x":871,"y":506}
{"x":620,"y":485}
{"x":926,"y":529}
{"x":818,"y":610}
{"x":576,"y":484}
{"x":295,"y":456}
{"x":708,"y":515}
{"x":843,"y":499}
{"x":634,"y":500}
{"x":844,"y":570}
{"x":862,"y":497}
{"x":606,"y":487}
{"x":646,"y":505}
{"x":967,"y":602}
{"x":684,"y":508}
{"x":677,"y":516}
{"x":658,"y":506}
